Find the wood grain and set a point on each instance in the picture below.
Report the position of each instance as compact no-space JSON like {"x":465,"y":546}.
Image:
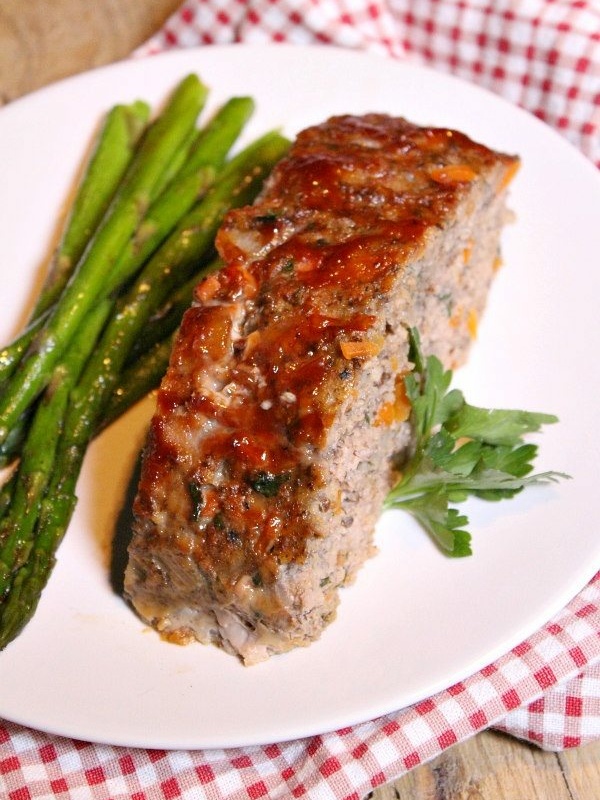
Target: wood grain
{"x":492,"y":766}
{"x":44,"y":40}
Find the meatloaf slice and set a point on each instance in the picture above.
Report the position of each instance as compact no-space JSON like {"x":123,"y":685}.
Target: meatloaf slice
{"x":282,"y":413}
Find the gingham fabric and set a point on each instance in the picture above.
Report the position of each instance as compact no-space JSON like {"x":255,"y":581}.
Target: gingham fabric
{"x":544,"y":56}
{"x":541,"y":54}
{"x":537,"y":691}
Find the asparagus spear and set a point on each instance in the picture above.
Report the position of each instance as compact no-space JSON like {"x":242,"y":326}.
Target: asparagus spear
{"x":204,"y":161}
{"x":160,"y":220}
{"x":11,"y":355}
{"x":187,"y":179}
{"x":214,"y":141}
{"x":137,"y":381}
{"x":6,"y":492}
{"x":161,"y":141}
{"x":11,"y":446}
{"x":175,"y":164}
{"x":149,"y":356}
{"x":145,"y":365}
{"x":111,"y":155}
{"x":188,"y":183}
{"x":164,"y":321}
{"x":37,"y":459}
{"x":143,"y":370}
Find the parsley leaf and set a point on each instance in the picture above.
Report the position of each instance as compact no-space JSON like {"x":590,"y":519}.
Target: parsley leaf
{"x":460,"y":451}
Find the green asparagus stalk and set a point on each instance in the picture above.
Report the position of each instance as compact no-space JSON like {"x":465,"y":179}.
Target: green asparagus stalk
{"x":11,"y":354}
{"x":176,"y":164}
{"x":158,"y":146}
{"x":160,"y":220}
{"x":111,"y":155}
{"x":144,"y":368}
{"x":149,"y":356}
{"x":163,"y":322}
{"x":10,"y":448}
{"x":203,"y":162}
{"x":216,"y":138}
{"x":188,"y":182}
{"x":6,"y":492}
{"x":138,"y":380}
{"x":145,"y":365}
{"x":37,"y":459}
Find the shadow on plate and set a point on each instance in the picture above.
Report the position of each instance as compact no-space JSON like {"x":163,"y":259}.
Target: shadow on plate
{"x":123,"y":532}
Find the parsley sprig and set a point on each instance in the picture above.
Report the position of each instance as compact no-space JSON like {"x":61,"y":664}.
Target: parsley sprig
{"x":460,"y":450}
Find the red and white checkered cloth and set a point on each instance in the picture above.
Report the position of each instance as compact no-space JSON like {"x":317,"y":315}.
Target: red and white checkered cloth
{"x":545,"y":56}
{"x":538,"y":691}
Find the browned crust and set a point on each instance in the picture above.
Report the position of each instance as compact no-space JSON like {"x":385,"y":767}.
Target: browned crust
{"x":341,"y":216}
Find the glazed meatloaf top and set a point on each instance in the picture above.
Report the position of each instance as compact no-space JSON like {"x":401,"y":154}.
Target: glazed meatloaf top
{"x":271,"y":349}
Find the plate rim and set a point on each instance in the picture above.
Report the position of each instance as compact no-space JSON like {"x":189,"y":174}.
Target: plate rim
{"x":184,"y":55}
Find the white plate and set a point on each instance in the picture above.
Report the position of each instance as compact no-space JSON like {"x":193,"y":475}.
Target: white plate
{"x":415,"y":621}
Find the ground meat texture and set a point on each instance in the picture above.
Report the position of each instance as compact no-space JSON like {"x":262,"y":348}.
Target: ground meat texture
{"x":282,"y":414}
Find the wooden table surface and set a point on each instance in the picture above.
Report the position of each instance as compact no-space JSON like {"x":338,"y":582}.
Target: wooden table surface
{"x":44,"y":40}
